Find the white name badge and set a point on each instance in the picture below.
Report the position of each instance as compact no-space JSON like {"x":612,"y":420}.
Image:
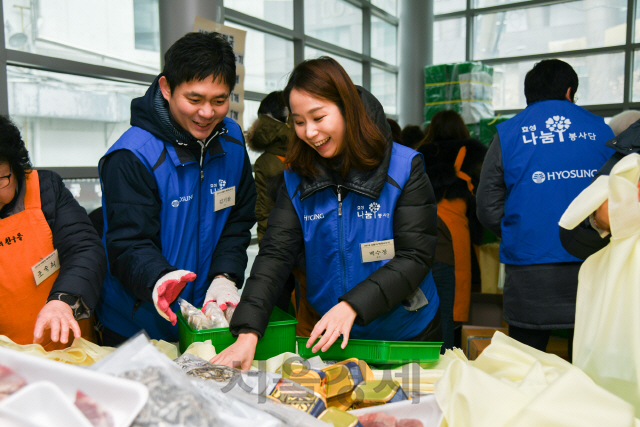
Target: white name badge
{"x":45,"y":268}
{"x":377,"y":251}
{"x":222,"y":199}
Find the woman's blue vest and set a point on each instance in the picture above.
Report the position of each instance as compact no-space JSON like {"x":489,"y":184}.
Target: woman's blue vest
{"x":189,"y":227}
{"x":550,"y":153}
{"x":333,"y":255}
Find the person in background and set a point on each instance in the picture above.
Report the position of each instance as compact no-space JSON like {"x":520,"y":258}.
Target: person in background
{"x":412,"y":135}
{"x":51,"y":260}
{"x":348,"y":185}
{"x":538,"y":162}
{"x":395,"y":131}
{"x":593,"y":233}
{"x":178,"y":196}
{"x":453,"y":161}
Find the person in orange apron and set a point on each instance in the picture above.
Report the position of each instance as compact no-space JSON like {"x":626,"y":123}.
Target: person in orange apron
{"x":453,"y":161}
{"x":51,"y":260}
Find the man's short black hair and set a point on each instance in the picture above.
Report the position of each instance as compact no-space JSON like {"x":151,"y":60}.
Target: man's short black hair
{"x":549,"y":79}
{"x":273,"y":105}
{"x":197,"y":56}
{"x":13,"y":149}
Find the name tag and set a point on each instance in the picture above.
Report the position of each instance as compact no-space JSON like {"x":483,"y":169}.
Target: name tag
{"x":377,"y":251}
{"x":223,"y":199}
{"x":45,"y":268}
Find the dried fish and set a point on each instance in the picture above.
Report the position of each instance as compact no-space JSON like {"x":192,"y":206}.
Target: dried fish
{"x":196,"y":367}
{"x":170,"y":404}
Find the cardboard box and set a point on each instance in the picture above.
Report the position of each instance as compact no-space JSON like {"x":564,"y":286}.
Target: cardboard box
{"x":476,"y":346}
{"x":480,"y":333}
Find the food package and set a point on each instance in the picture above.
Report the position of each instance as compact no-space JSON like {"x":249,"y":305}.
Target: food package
{"x":194,"y":317}
{"x":95,"y":413}
{"x":10,"y":382}
{"x":292,"y":394}
{"x":215,"y":314}
{"x":199,"y":368}
{"x":344,"y":376}
{"x":313,"y":379}
{"x":372,"y":393}
{"x":343,"y":402}
{"x":228,"y":313}
{"x":339,"y":418}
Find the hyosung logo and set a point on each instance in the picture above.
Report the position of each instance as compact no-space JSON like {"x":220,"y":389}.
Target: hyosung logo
{"x":538,"y":177}
{"x":182,"y":199}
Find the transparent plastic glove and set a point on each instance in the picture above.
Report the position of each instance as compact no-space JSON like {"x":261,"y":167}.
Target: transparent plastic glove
{"x":224,"y":292}
{"x":167,"y":289}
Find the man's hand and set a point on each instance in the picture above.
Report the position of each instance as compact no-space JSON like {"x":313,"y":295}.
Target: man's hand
{"x":167,"y":289}
{"x":58,"y":317}
{"x":223,"y":291}
{"x":601,"y":217}
{"x":239,"y":354}
{"x":337,"y":321}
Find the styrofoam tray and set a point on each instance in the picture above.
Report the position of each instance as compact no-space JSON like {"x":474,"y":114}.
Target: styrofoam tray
{"x":41,"y":404}
{"x":122,"y":398}
{"x":426,"y":410}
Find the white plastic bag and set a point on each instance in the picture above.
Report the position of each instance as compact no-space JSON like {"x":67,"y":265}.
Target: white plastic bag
{"x":606,"y":342}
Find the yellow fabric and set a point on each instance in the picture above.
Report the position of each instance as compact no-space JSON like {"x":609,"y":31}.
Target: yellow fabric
{"x":514,"y":385}
{"x":81,"y":352}
{"x":606,"y":343}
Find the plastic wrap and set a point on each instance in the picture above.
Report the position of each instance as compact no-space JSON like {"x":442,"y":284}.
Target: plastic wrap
{"x":465,"y":87}
{"x":228,"y":313}
{"x":195,"y":318}
{"x":217,"y":316}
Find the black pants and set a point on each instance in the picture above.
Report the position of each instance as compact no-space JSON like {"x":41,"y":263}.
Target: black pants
{"x":537,"y":338}
{"x":433,"y":331}
{"x":106,"y":337}
{"x":445,"y":278}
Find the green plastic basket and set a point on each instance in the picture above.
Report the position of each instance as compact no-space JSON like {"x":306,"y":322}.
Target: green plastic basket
{"x":278,"y":338}
{"x":376,"y":352}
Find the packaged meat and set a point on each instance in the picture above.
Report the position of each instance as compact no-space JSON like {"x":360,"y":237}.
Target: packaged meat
{"x":95,"y":413}
{"x":314,"y":379}
{"x":409,"y":422}
{"x":377,"y":392}
{"x":339,"y":418}
{"x":344,"y":376}
{"x":377,"y":419}
{"x":292,"y":394}
{"x":10,"y":382}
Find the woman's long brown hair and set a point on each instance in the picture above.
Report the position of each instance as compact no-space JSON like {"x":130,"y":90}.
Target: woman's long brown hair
{"x":363,"y":144}
{"x":445,"y":125}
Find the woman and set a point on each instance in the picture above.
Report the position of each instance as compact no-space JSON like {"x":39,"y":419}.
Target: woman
{"x":351,"y":198}
{"x":51,"y":260}
{"x":453,"y":162}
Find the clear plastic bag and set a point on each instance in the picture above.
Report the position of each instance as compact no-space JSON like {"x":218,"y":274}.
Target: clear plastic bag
{"x":215,"y":314}
{"x":228,"y":313}
{"x":194,"y":317}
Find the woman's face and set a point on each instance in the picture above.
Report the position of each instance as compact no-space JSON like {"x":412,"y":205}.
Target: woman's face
{"x":317,"y":122}
{"x":9,"y":192}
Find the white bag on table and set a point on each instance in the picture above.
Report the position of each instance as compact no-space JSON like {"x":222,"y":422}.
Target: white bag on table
{"x":606,"y":343}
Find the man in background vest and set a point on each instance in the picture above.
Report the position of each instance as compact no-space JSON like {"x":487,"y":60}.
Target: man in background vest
{"x":178,"y":196}
{"x":539,"y":161}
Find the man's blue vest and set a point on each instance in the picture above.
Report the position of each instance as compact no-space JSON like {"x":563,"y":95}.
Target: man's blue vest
{"x":550,"y":153}
{"x":333,"y":255}
{"x":189,"y":227}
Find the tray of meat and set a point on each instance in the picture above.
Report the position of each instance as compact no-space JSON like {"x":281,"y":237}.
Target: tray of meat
{"x":419,"y":412}
{"x":99,"y":399}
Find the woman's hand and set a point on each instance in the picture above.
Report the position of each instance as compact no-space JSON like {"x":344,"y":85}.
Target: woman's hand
{"x":601,"y":217}
{"x":337,"y":321}
{"x":57,"y":316}
{"x":239,"y":354}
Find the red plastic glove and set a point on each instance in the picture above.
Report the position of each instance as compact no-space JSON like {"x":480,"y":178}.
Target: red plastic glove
{"x":167,"y":289}
{"x":223,"y":291}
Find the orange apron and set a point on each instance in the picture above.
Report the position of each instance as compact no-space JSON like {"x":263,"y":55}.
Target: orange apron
{"x":454,"y":214}
{"x":26,"y":238}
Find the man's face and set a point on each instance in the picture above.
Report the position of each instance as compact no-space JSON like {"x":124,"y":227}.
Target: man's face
{"x":197,"y":105}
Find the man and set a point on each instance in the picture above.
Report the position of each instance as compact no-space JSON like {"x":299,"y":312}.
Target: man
{"x":178,"y":196}
{"x":536,"y":165}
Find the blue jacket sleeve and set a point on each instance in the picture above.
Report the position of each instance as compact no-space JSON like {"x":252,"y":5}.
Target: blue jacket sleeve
{"x":132,"y":209}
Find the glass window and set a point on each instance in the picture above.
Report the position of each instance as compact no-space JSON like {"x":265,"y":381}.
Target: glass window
{"x":114,"y":33}
{"x":249,"y":115}
{"x":636,"y":77}
{"x":449,"y":41}
{"x":268,"y":60}
{"x":384,"y":86}
{"x":279,"y":12}
{"x":68,"y":120}
{"x":389,"y":6}
{"x":601,"y":80}
{"x":383,"y":41}
{"x":334,"y":21}
{"x":446,"y":6}
{"x":559,"y":27}
{"x":487,"y":3}
{"x":353,"y":68}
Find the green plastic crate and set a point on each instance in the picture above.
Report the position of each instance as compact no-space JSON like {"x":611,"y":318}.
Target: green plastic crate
{"x":376,"y":352}
{"x":278,"y":338}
